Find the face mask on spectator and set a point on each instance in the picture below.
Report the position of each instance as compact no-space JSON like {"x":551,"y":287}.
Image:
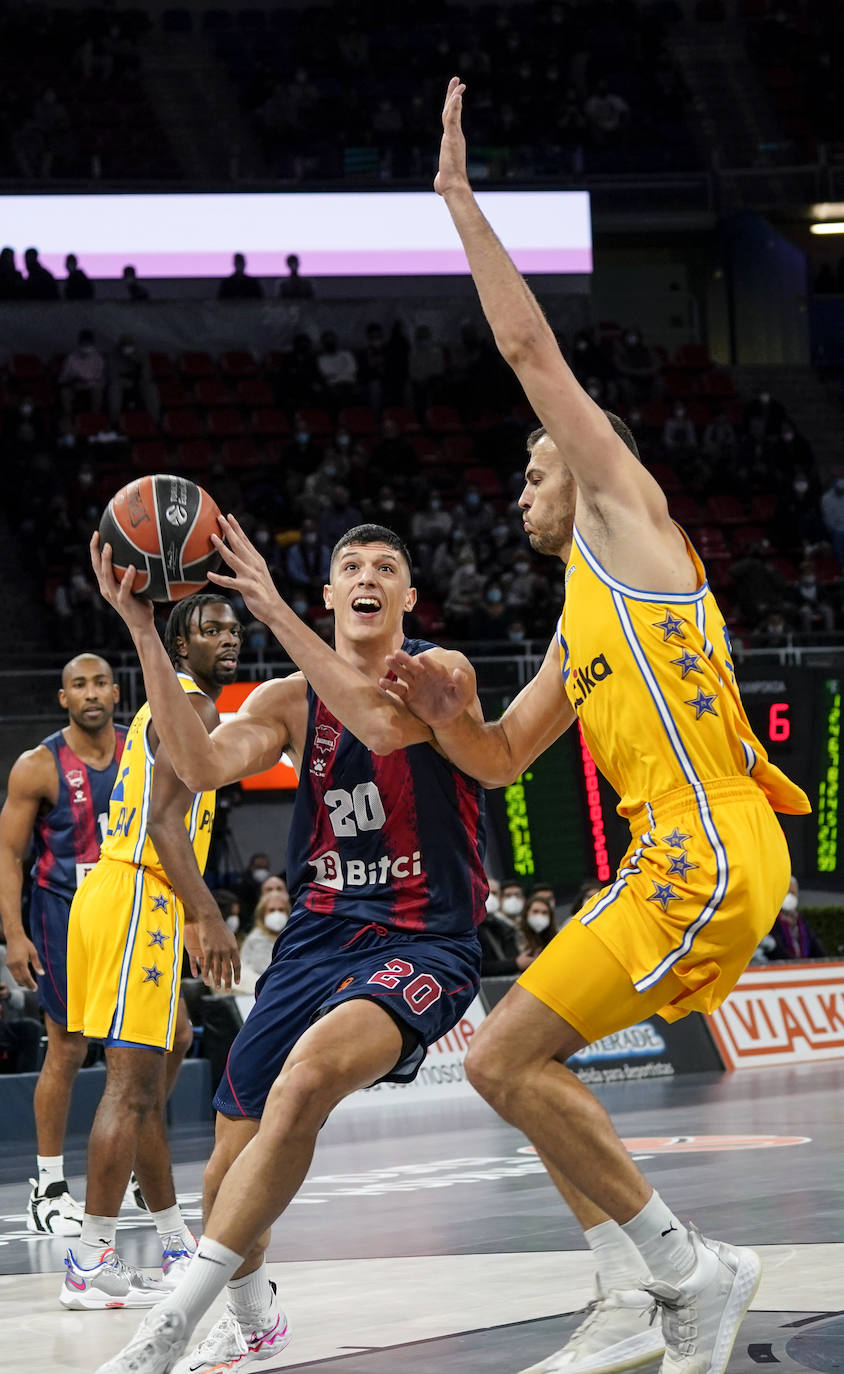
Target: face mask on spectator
{"x":512,"y":906}
{"x":521,"y":569}
{"x":436,"y":503}
{"x":472,"y":501}
{"x":801,"y":487}
{"x":26,"y":408}
{"x":789,"y":902}
{"x":329,"y":470}
{"x":494,"y":595}
{"x":492,"y":904}
{"x":262,"y":536}
{"x":302,"y":436}
{"x":233,"y":923}
{"x":343,"y":441}
{"x":389,"y":504}
{"x":515,"y":636}
{"x":260,"y":874}
{"x":275,"y":921}
{"x":310,"y":537}
{"x":539,"y":922}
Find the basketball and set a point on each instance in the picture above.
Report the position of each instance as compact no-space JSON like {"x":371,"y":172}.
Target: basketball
{"x":162,"y":525}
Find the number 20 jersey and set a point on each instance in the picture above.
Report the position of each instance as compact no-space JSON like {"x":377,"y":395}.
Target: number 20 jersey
{"x":397,"y":840}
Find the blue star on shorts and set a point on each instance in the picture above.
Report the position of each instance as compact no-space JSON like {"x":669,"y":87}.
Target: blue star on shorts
{"x":663,"y":893}
{"x":687,"y":663}
{"x":160,"y":904}
{"x":152,"y":974}
{"x":672,"y":625}
{"x":703,"y":704}
{"x":676,"y":840}
{"x":679,"y":865}
{"x":157,"y":937}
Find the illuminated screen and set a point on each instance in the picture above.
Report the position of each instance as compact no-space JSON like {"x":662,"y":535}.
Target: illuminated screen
{"x":336,"y":234}
{"x":283,"y":774}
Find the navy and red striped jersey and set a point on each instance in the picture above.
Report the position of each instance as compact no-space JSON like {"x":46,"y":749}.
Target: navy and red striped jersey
{"x":399,"y":838}
{"x":67,"y":837}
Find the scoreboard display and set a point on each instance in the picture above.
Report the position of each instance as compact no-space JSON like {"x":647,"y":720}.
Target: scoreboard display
{"x":558,"y":823}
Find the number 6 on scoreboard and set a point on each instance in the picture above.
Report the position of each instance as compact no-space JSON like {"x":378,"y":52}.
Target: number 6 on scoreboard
{"x":420,"y":994}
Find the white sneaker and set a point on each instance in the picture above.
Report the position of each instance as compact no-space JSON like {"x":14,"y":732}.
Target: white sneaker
{"x":158,"y":1342}
{"x":701,"y":1316}
{"x":133,"y":1197}
{"x":177,"y":1252}
{"x":53,"y":1212}
{"x":110,"y":1283}
{"x":228,"y":1346}
{"x":618,"y":1333}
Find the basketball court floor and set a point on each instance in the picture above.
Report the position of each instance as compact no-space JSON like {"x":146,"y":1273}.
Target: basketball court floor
{"x":428,"y":1238}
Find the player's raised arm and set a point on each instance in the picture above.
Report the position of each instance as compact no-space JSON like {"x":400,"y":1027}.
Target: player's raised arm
{"x":248,"y":744}
{"x":440,"y":689}
{"x":598,"y":459}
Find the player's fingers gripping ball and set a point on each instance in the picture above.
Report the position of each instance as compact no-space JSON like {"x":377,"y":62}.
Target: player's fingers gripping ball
{"x":162,"y":526}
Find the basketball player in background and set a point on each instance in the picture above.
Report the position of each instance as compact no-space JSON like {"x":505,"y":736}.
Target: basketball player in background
{"x":642,"y":659}
{"x":128,"y":921}
{"x":57,"y":796}
{"x":379,"y":957}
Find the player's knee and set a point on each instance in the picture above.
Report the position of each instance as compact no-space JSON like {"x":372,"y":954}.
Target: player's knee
{"x":305,"y":1092}
{"x":66,"y":1052}
{"x":484,"y":1071}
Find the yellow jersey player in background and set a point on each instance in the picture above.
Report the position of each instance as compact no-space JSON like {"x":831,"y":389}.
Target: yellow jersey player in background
{"x":641,"y":658}
{"x":129,"y":921}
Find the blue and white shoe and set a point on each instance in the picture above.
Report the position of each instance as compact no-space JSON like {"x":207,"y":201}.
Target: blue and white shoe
{"x":110,"y":1283}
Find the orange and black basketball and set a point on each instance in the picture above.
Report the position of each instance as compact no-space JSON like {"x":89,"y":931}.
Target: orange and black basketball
{"x":162,"y":526}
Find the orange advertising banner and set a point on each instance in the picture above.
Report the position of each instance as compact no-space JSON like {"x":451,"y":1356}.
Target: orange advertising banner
{"x":782,"y":1014}
{"x":283,"y":775}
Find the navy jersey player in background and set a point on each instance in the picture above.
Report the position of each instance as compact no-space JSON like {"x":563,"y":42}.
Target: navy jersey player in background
{"x":57,"y":796}
{"x":380,"y":956}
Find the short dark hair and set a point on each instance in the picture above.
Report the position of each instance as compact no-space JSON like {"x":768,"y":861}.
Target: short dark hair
{"x":178,"y":626}
{"x":623,"y":431}
{"x":373,"y":534}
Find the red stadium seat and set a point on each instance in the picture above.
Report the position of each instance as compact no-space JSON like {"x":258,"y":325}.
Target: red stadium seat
{"x":685,"y":509}
{"x":726,"y":510}
{"x":136,"y":424}
{"x":225,"y":423}
{"x":211,"y":392}
{"x":240,"y":453}
{"x":458,"y":448}
{"x":162,"y":366}
{"x":182,"y":424}
{"x":194,"y":364}
{"x":270,"y":423}
{"x":254,"y":391}
{"x":486,"y":480}
{"x":238,"y":363}
{"x":443,"y":420}
{"x":693,"y":356}
{"x":358,"y":420}
{"x":195,"y":455}
{"x":745,"y":537}
{"x":150,"y":457}
{"x":319,"y":422}
{"x":90,"y":422}
{"x":172,"y":394}
{"x":24,"y":366}
{"x":404,"y":417}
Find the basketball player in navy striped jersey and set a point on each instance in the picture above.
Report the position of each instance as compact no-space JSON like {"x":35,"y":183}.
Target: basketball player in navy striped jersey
{"x":379,"y":957}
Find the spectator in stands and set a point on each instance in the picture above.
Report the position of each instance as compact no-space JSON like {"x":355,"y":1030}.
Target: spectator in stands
{"x":239,"y":286}
{"x":303,"y":452}
{"x":130,"y":384}
{"x":792,"y":933}
{"x":392,"y":456}
{"x":134,"y":290}
{"x":333,"y":468}
{"x":396,"y":364}
{"x":814,"y":610}
{"x":488,"y":620}
{"x":587,"y":889}
{"x":719,"y":437}
{"x":40,"y":283}
{"x":78,"y":286}
{"x":512,"y":900}
{"x":340,"y":516}
{"x":432,"y":524}
{"x":588,"y":360}
{"x":500,"y":955}
{"x":607,"y":115}
{"x":473,"y":514}
{"x":636,"y":364}
{"x":295,"y":287}
{"x":229,"y":904}
{"x":300,"y":381}
{"x":678,"y":432}
{"x":522,"y":586}
{"x":536,"y":926}
{"x":308,"y":562}
{"x":465,"y":589}
{"x":797,"y":519}
{"x":11,"y":280}
{"x":271,"y":916}
{"x":764,"y":415}
{"x":774,"y":633}
{"x":257,"y":872}
{"x":82,"y":376}
{"x":372,"y":368}
{"x":758,"y":584}
{"x":338,"y":370}
{"x":832,"y":511}
{"x":387,"y":510}
{"x":426,"y":369}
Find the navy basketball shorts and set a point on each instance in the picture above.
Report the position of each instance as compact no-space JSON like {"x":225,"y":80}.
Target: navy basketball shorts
{"x":425,"y":982}
{"x":48,"y":917}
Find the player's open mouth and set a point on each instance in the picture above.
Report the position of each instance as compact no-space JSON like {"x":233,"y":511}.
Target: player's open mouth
{"x":366,"y":605}
{"x":227,"y":660}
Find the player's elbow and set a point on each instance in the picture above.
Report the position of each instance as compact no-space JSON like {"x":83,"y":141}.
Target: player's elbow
{"x":518,"y":347}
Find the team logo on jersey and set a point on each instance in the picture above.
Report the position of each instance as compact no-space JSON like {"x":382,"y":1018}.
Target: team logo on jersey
{"x":569,"y":572}
{"x":584,"y":680}
{"x":76,"y":783}
{"x":325,"y":742}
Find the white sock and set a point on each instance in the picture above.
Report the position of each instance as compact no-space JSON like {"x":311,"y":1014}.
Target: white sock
{"x":662,"y":1241}
{"x":98,"y":1234}
{"x":252,"y":1297}
{"x":618,"y":1261}
{"x":170,"y":1222}
{"x":50,"y":1170}
{"x":205,"y":1278}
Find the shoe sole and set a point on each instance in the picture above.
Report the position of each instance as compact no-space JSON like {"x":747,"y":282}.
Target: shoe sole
{"x":743,"y":1290}
{"x":37,"y":1230}
{"x":246,"y":1363}
{"x":98,"y":1302}
{"x":622,"y":1360}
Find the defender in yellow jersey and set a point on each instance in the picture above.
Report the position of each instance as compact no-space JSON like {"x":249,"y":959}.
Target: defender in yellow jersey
{"x":642,"y":659}
{"x":128,"y":924}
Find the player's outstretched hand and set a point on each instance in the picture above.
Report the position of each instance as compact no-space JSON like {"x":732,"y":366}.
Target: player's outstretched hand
{"x":252,"y":578}
{"x":219,"y":957}
{"x":452,"y":175}
{"x":137,"y":611}
{"x":436,"y":691}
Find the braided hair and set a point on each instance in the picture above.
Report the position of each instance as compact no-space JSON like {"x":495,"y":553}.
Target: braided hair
{"x":178,"y":626}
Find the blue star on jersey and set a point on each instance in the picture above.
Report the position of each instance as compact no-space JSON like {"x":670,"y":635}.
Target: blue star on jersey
{"x":676,"y":840}
{"x":663,"y":893}
{"x":672,"y":625}
{"x":703,"y":704}
{"x":152,"y":974}
{"x":679,"y":865}
{"x":160,"y":904}
{"x":687,"y":663}
{"x":157,"y":937}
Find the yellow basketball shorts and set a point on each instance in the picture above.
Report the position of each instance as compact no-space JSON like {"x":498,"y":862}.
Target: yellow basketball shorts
{"x":700,"y":885}
{"x":124,"y":957}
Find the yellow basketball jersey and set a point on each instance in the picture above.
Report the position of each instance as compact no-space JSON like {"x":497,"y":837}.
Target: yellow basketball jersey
{"x":653,"y":685}
{"x":126,"y":837}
